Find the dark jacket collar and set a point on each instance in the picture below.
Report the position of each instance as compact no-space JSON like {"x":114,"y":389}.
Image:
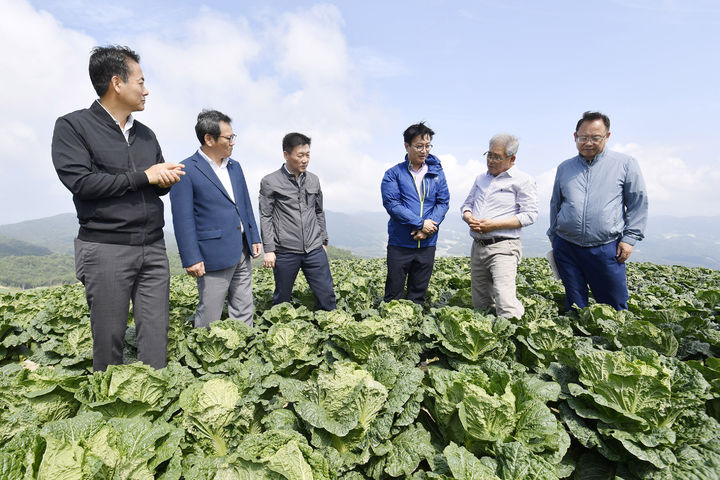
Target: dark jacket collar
{"x":104,"y":116}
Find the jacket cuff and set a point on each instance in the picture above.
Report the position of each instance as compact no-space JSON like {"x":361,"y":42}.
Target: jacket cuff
{"x":629,"y":240}
{"x":138,"y":180}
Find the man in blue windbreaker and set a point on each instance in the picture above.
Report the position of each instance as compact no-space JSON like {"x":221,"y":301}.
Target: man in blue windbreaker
{"x":416,"y":196}
{"x":598,"y":210}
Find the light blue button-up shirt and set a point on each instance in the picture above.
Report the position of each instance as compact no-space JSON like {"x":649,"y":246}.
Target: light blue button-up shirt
{"x":512,"y":193}
{"x":599,"y":202}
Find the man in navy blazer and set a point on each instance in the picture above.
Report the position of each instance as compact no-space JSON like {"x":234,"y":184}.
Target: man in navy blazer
{"x":214,"y":224}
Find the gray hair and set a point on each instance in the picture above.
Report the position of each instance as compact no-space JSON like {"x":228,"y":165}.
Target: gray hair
{"x":510,"y":142}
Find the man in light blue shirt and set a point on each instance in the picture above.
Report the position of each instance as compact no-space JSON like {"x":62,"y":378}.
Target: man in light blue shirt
{"x":500,"y":203}
{"x":598,"y":211}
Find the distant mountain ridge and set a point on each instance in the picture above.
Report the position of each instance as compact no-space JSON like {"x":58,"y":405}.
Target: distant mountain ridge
{"x":12,"y":247}
{"x":690,"y":241}
{"x":55,"y":233}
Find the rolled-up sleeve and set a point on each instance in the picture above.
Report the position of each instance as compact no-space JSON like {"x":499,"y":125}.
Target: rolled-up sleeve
{"x":527,"y":203}
{"x":470,"y":199}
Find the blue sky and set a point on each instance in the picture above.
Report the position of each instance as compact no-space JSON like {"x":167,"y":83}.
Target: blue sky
{"x":354,"y":75}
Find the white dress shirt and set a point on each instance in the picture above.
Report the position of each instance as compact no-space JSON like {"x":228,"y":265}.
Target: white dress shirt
{"x":511,"y":193}
{"x":222,"y":173}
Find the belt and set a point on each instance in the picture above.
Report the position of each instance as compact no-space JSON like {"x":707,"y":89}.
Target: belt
{"x":489,"y":241}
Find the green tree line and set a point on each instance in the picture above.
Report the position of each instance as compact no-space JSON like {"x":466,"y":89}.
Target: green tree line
{"x":31,"y":271}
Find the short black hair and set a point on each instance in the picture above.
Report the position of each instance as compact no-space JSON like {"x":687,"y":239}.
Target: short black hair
{"x":294,"y":139}
{"x":208,"y":121}
{"x":591,"y":117}
{"x":107,"y":62}
{"x":418,"y":129}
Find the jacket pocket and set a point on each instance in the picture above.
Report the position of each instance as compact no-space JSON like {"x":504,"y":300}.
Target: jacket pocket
{"x":209,"y":234}
{"x":311,"y":196}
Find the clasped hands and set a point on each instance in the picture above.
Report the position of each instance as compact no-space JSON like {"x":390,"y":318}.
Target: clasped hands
{"x":479,"y":225}
{"x":165,"y":175}
{"x":428,"y":230}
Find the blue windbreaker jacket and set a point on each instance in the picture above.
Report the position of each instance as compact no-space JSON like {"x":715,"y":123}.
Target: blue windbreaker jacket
{"x":594,"y":204}
{"x":408,"y":207}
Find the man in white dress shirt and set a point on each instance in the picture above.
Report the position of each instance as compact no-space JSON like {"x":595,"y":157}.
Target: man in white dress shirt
{"x":500,"y":203}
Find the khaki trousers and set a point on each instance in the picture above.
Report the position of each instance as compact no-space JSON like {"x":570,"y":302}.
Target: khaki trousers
{"x":493,"y":271}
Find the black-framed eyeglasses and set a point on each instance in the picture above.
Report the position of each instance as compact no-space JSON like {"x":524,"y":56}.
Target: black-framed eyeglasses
{"x":493,"y":156}
{"x":229,"y":138}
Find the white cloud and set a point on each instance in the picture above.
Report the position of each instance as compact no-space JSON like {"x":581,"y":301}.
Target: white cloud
{"x":44,"y":76}
{"x":292,"y":74}
{"x":292,"y":71}
{"x":311,"y":87}
{"x":311,"y":47}
{"x":460,"y":178}
{"x":675,"y":187}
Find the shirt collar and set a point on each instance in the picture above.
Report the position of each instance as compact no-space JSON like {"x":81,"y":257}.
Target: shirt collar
{"x":128,"y":123}
{"x":510,"y":172}
{"x":597,"y":157}
{"x":290,"y":174}
{"x":223,"y":163}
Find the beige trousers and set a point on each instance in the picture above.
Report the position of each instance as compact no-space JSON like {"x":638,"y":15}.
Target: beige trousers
{"x":493,"y":271}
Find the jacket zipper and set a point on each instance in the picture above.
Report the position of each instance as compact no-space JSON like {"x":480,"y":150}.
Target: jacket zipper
{"x":585,"y":202}
{"x":140,"y":190}
{"x":420,"y":197}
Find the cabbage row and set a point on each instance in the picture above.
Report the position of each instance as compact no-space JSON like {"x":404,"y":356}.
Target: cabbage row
{"x":375,"y":390}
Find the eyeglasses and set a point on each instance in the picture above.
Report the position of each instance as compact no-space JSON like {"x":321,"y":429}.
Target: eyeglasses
{"x":422,"y":148}
{"x":593,"y":139}
{"x":229,"y":138}
{"x":493,"y":156}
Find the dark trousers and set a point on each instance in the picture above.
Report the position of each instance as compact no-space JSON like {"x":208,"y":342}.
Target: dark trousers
{"x":114,"y":275}
{"x":597,"y":267}
{"x":413,"y":264}
{"x":316,"y":269}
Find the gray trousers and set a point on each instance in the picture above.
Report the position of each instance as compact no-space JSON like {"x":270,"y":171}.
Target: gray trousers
{"x":235,"y":283}
{"x":493,"y":269}
{"x":113,"y":276}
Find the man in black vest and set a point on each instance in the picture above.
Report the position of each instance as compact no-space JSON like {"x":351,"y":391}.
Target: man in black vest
{"x":114,"y":167}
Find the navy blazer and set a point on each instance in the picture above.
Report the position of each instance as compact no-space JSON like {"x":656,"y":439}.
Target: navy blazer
{"x":207,"y":222}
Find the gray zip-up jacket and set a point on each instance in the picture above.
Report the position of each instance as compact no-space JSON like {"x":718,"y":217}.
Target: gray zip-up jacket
{"x":596,"y":203}
{"x":291,"y":212}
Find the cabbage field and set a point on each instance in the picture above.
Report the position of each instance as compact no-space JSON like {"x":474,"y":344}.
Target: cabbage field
{"x":374,"y":390}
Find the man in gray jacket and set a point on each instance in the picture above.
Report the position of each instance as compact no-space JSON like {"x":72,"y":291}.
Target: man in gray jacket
{"x":292,"y":224}
{"x":598,"y":211}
